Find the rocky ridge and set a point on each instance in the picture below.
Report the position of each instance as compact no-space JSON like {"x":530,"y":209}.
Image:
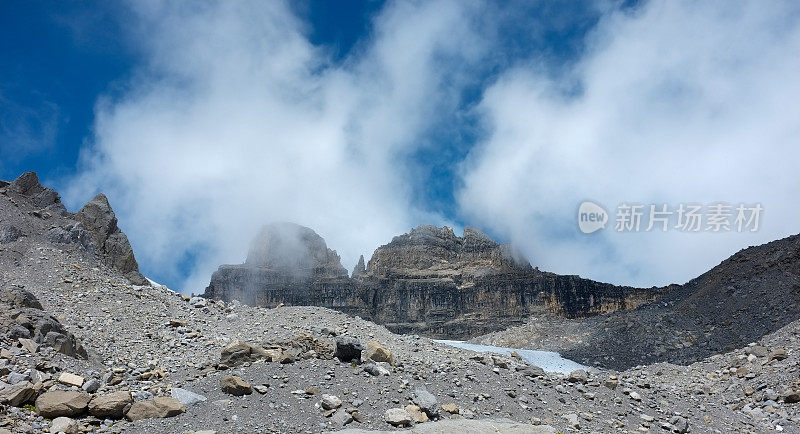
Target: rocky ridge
{"x":428,"y":281}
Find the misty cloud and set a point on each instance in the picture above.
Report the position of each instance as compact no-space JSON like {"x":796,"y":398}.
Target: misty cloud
{"x":678,"y":102}
{"x":235,"y":120}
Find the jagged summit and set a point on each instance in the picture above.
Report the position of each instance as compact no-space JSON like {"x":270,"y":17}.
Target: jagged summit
{"x":360,"y":268}
{"x":42,"y":197}
{"x":431,"y":250}
{"x":109,"y":241}
{"x":93,"y":229}
{"x":294,"y":249}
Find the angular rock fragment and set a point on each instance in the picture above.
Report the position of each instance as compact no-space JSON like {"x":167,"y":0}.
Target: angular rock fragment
{"x":110,"y":405}
{"x":157,"y":408}
{"x":235,"y":386}
{"x":62,"y":403}
{"x":348,"y":349}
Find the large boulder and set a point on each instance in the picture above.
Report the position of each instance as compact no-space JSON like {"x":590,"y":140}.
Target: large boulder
{"x":9,"y":234}
{"x":238,"y":352}
{"x":109,"y":241}
{"x":17,"y":394}
{"x":235,"y":386}
{"x":377,"y":353}
{"x":348,"y":349}
{"x":157,"y":408}
{"x":62,"y":403}
{"x":426,"y":401}
{"x":110,"y":405}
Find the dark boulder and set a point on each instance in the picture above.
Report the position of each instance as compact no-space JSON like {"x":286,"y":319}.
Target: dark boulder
{"x":348,"y":349}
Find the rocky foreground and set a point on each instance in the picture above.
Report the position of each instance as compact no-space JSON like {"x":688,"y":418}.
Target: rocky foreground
{"x":83,"y":349}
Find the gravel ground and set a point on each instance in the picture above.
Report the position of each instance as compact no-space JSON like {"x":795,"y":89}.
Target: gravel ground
{"x":151,"y":340}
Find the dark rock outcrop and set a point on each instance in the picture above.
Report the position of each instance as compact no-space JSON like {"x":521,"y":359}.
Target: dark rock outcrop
{"x":22,"y":317}
{"x":428,"y":281}
{"x":752,"y":293}
{"x":110,"y":243}
{"x":42,"y":197}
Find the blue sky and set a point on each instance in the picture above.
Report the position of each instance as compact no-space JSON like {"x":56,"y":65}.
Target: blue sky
{"x":60,"y":57}
{"x":362,"y":119}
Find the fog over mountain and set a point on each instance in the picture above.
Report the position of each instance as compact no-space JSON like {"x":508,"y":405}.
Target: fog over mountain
{"x":235,"y":119}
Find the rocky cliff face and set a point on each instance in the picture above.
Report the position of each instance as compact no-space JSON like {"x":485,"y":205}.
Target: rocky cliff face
{"x":109,"y":241}
{"x":428,"y":281}
{"x":94,"y":228}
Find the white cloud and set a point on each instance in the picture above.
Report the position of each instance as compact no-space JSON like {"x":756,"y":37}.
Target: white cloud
{"x":679,"y":102}
{"x":237,"y":120}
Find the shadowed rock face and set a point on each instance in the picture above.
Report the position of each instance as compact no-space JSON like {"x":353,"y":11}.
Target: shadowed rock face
{"x":110,"y":243}
{"x":428,"y":281}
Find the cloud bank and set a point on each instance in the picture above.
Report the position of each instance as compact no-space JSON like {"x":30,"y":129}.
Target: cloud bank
{"x":235,"y":120}
{"x":673,"y":102}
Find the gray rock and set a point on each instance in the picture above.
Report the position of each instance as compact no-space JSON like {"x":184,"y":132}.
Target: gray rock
{"x":17,"y":394}
{"x":757,"y":350}
{"x":40,"y":196}
{"x":376,"y":369}
{"x":110,"y":242}
{"x":91,"y":385}
{"x":348,"y":349}
{"x":198,"y":302}
{"x":398,"y":417}
{"x":71,"y":233}
{"x":64,"y":425}
{"x":16,"y":296}
{"x":341,"y":418}
{"x":578,"y":376}
{"x":9,"y":234}
{"x":426,"y":401}
{"x":530,"y":370}
{"x":16,"y":377}
{"x":238,"y":352}
{"x":680,"y":424}
{"x":329,"y":402}
{"x":187,"y":397}
{"x":572,"y":420}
